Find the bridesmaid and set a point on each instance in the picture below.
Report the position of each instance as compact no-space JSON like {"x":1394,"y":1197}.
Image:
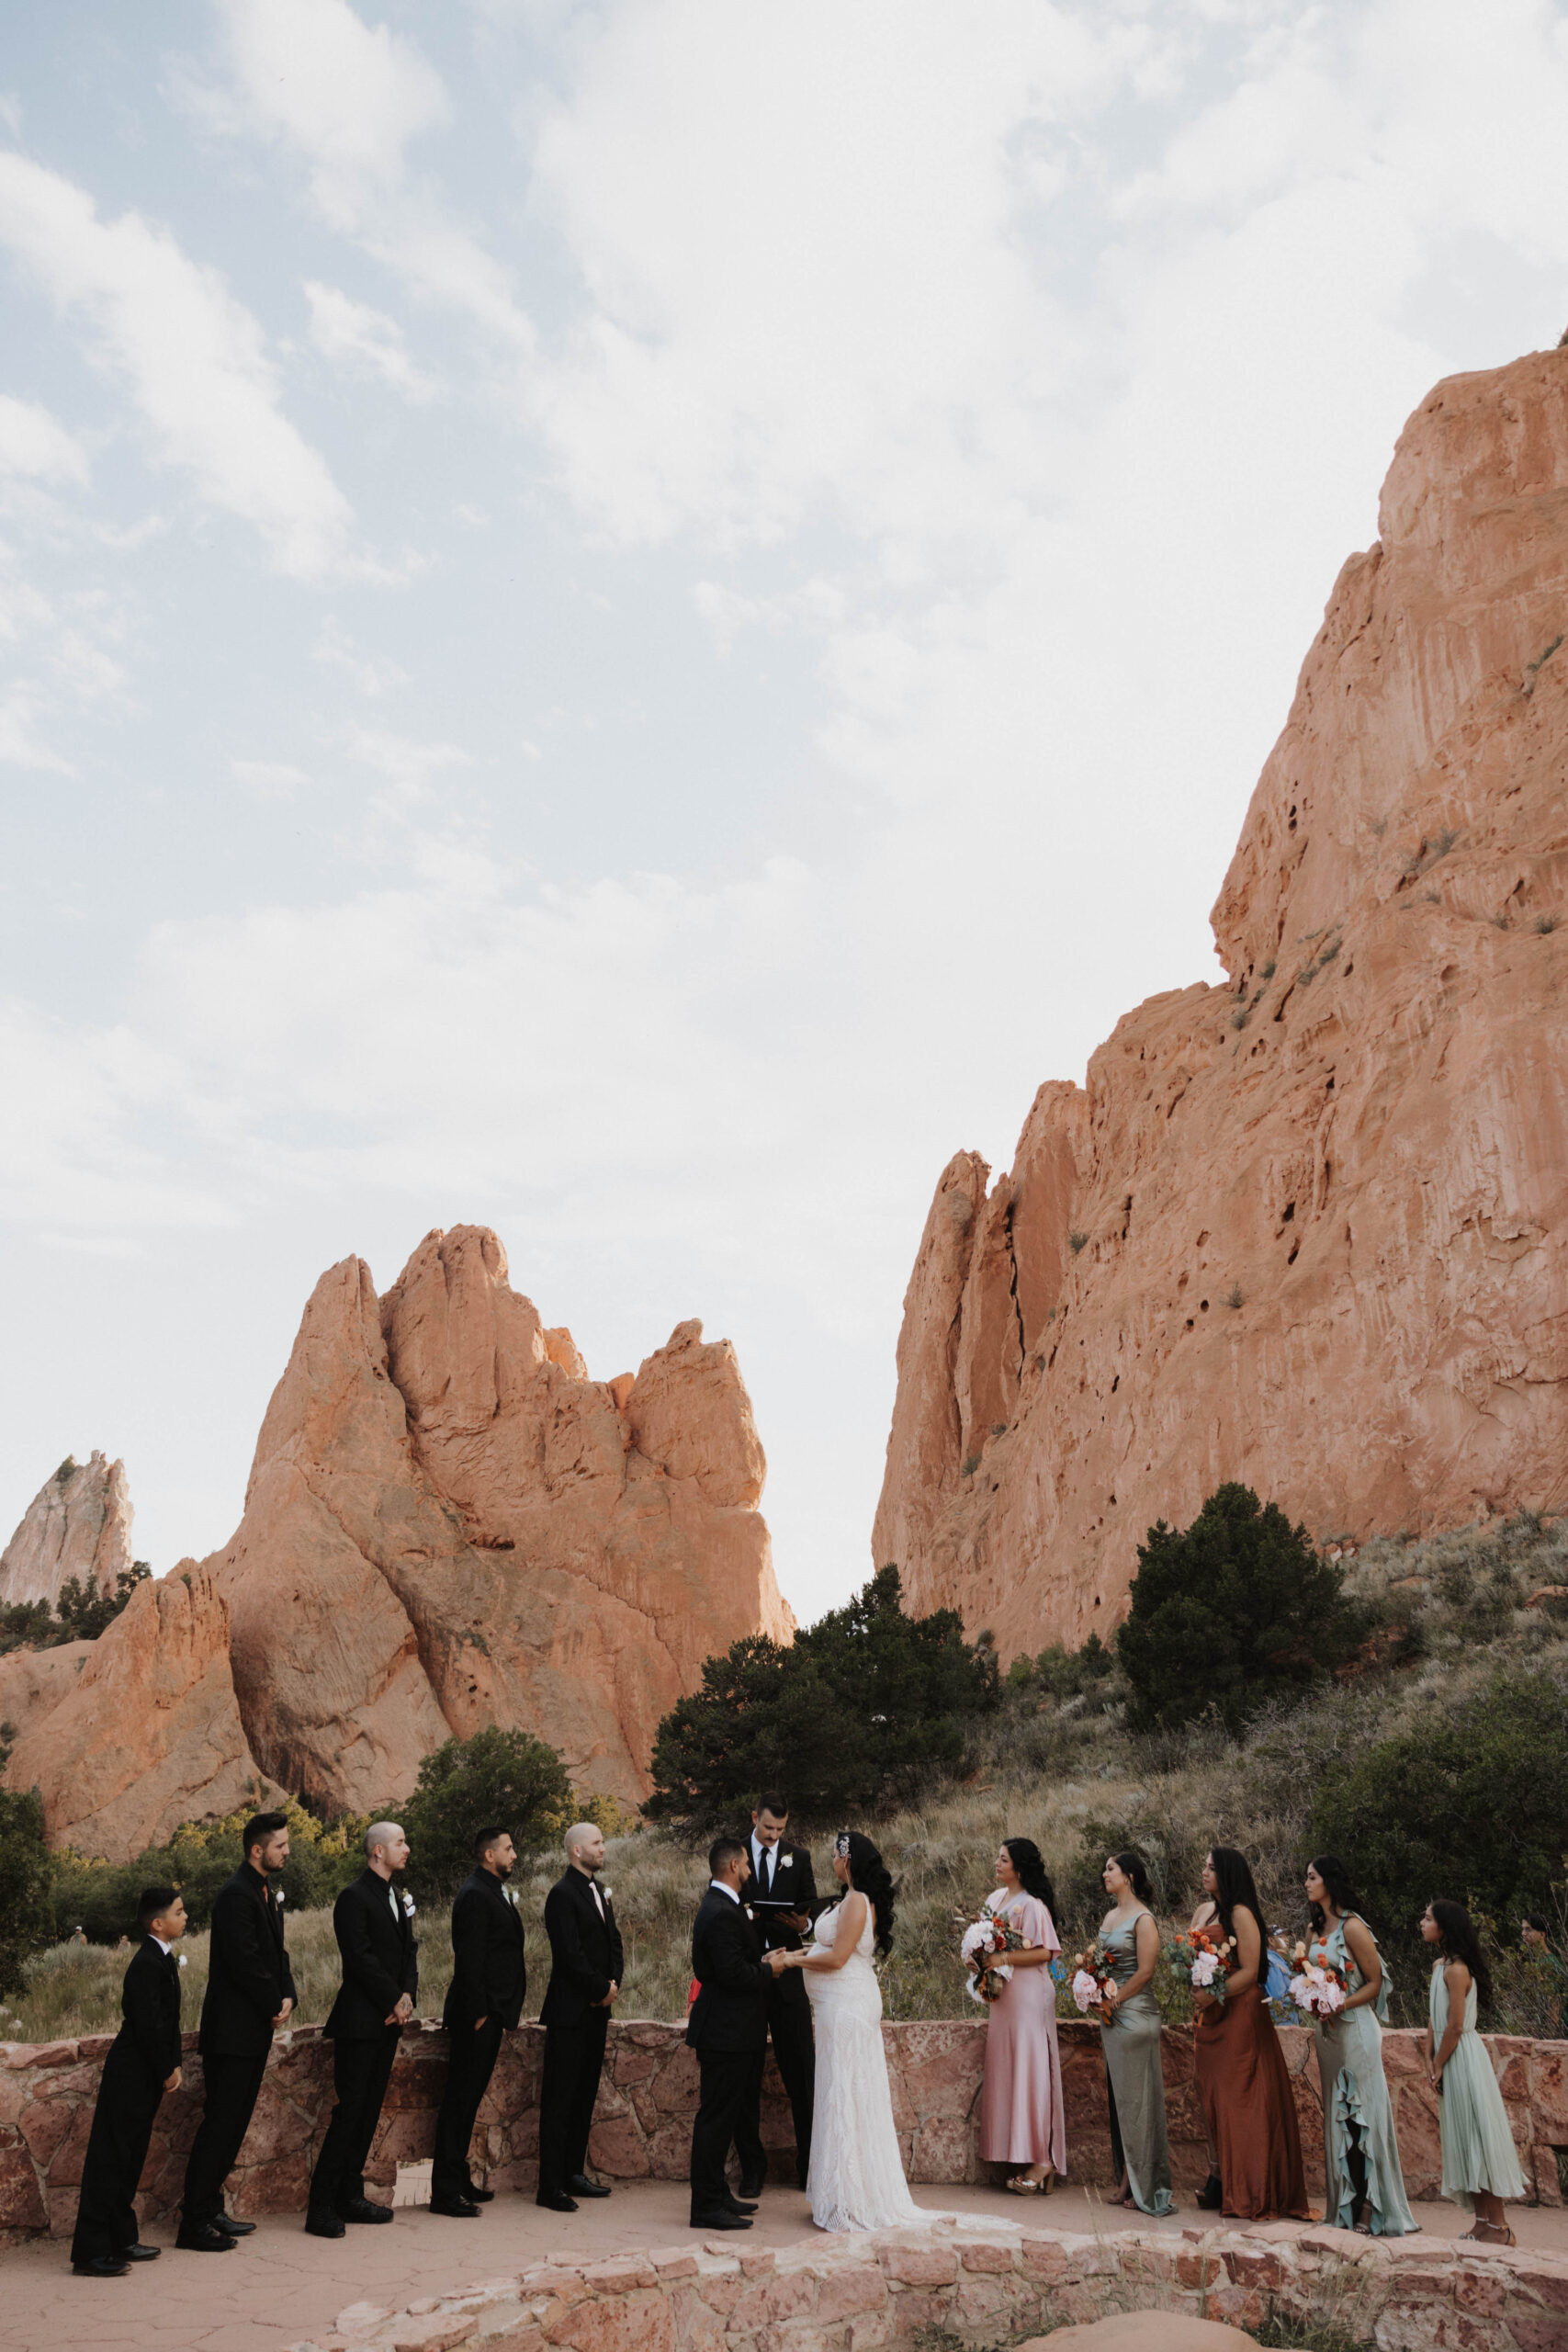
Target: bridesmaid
{"x":1366,"y":2186}
{"x":1242,"y":2080}
{"x":1022,"y":2116}
{"x":1129,"y":2037}
{"x":1480,"y":2166}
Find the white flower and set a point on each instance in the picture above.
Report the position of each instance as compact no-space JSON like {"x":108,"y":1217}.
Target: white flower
{"x":785,"y":1862}
{"x":278,"y":1896}
{"x":1086,"y":1992}
{"x":608,"y":1892}
{"x":409,"y":1905}
{"x":184,"y":1962}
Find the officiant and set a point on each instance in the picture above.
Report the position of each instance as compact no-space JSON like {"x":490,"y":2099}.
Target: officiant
{"x":780,"y":1893}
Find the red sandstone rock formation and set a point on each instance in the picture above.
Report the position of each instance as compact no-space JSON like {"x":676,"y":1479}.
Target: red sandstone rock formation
{"x":147,"y":1733}
{"x":1309,"y":1228}
{"x":449,"y":1524}
{"x":78,"y":1524}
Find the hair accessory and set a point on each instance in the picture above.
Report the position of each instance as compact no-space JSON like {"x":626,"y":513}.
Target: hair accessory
{"x":841,"y":1845}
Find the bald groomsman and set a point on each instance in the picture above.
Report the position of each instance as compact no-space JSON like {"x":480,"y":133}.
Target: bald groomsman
{"x":373,"y":1925}
{"x":586,"y":1961}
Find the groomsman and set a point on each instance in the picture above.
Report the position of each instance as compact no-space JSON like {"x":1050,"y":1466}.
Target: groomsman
{"x":780,"y":1873}
{"x":484,"y":2000}
{"x":373,"y":1925}
{"x":249,"y":1992}
{"x":728,"y":2028}
{"x":144,"y":2064}
{"x":586,"y":1961}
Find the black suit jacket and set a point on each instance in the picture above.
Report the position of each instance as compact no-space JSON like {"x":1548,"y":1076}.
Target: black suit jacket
{"x":147,"y":2047}
{"x":488,"y":1977}
{"x":792,"y":1876}
{"x":248,"y":1976}
{"x":730,"y":2013}
{"x":380,"y":1959}
{"x":585,"y":1951}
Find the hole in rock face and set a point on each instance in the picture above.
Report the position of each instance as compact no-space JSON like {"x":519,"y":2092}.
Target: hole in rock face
{"x":1203,"y":1306}
{"x":1294,"y":1248}
{"x":1290,"y":1213}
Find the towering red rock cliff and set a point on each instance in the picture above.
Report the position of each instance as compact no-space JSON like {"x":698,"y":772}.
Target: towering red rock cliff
{"x":1309,"y":1229}
{"x":449,"y":1524}
{"x":77,"y":1525}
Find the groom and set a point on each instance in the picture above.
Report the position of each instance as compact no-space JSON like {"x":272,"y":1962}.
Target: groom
{"x":728,"y":2028}
{"x":780,"y":1873}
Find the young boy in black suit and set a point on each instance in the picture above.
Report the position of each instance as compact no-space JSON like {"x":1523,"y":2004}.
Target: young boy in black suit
{"x":144,"y":2064}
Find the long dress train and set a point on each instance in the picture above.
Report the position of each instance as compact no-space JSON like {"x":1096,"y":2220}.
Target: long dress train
{"x":1358,"y":2116}
{"x":1134,"y":2072}
{"x":1478,"y":2147}
{"x":1022,"y":2115}
{"x":857,"y":2180}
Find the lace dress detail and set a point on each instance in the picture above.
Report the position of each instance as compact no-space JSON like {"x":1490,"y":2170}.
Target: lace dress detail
{"x":857,"y":2180}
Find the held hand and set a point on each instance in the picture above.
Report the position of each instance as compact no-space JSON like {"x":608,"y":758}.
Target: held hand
{"x":799,"y":1921}
{"x":172,"y":2082}
{"x":404,"y":2009}
{"x":282,"y":2017}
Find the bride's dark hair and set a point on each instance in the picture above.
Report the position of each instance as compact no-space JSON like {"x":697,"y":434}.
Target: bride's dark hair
{"x":868,"y":1876}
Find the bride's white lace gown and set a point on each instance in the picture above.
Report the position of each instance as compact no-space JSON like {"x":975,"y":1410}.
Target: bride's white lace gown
{"x":857,"y":2180}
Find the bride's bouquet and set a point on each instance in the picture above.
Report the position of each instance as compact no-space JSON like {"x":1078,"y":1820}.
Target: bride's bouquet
{"x":1317,"y":1987}
{"x":1093,"y":1978}
{"x":1207,"y":1957}
{"x":983,"y":1934}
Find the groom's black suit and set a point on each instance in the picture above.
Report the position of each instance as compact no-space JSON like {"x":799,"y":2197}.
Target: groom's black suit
{"x":729,"y":2030}
{"x":786,"y":1873}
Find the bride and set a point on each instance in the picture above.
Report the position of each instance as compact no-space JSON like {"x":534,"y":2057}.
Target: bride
{"x":856,"y":2180}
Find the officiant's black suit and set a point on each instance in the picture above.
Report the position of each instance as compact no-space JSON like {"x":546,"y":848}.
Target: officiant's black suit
{"x":489,"y":1980}
{"x":380,"y":1963}
{"x":729,"y":2030}
{"x":586,"y":1958}
{"x":248,"y":1980}
{"x":786,"y":1873}
{"x":145,"y":2053}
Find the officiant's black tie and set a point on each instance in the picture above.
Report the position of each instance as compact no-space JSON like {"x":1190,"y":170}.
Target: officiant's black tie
{"x":767,"y":1871}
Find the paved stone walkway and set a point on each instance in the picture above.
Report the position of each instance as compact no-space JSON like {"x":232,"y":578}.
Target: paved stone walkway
{"x":281,"y":2286}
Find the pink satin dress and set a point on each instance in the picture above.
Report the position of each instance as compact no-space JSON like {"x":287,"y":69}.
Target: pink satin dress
{"x":1022,"y":2115}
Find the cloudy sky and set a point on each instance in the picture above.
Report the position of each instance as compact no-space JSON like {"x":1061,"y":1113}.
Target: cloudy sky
{"x":628,"y":621}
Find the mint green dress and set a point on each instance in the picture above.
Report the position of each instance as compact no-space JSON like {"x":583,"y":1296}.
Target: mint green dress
{"x":1136,"y":2072}
{"x":1356,"y":2111}
{"x":1478,"y":2147}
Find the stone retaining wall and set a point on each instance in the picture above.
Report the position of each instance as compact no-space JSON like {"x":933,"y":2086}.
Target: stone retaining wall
{"x":642,"y":2123}
{"x":981,"y":2280}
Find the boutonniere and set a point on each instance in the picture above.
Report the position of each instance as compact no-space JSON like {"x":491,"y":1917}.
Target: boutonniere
{"x":409,"y":1905}
{"x":277,"y":1896}
{"x":750,"y":1913}
{"x":511,"y":1895}
{"x":785,"y":1862}
{"x":608,"y":1892}
{"x":183,"y":1961}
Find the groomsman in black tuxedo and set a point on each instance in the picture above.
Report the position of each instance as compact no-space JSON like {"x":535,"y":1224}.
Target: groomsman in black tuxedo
{"x":373,"y":1922}
{"x":586,"y":1961}
{"x":485,"y":1999}
{"x":144,"y":2064}
{"x":728,"y":2028}
{"x":249,"y":1992}
{"x":779,"y":1873}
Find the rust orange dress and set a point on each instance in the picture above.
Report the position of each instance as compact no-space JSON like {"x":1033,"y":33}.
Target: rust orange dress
{"x":1246,"y":2090}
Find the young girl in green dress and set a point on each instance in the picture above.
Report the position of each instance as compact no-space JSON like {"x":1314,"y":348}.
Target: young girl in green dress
{"x":1480,"y":2166}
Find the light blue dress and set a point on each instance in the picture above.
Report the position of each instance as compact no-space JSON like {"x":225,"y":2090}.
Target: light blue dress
{"x":1356,"y":2111}
{"x":1478,"y":2147}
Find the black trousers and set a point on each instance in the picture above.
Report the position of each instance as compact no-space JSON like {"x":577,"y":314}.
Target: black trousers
{"x":726,"y":2080}
{"x":361,"y":2071}
{"x":117,"y":2150}
{"x":574,"y":2060}
{"x":474,"y":2051}
{"x":789,"y":2024}
{"x":230,"y":2089}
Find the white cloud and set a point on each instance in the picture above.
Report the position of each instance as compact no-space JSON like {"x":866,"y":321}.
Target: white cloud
{"x":364,"y":342}
{"x":373,"y":674}
{"x":192,"y":358}
{"x":407,"y":765}
{"x":33,"y":442}
{"x":270,"y":779}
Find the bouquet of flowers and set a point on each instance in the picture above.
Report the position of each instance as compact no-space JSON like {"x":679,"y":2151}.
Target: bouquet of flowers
{"x":1207,"y":1956}
{"x":1092,"y":1980}
{"x":985,"y":1934}
{"x":1317,"y":1987}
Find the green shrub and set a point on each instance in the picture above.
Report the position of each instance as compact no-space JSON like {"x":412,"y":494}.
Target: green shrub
{"x":26,"y":1923}
{"x":80,"y":1613}
{"x":862,"y":1709}
{"x":1472,"y":1805}
{"x":101,"y":1897}
{"x":498,"y":1776}
{"x":1230,"y":1612}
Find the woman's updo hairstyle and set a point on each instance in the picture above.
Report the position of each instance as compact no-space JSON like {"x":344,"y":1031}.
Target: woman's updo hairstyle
{"x":868,"y":1876}
{"x":1027,"y":1860}
{"x":1135,"y":1870}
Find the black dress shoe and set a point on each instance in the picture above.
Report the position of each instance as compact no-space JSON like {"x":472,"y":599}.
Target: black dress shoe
{"x":554,"y":2203}
{"x":362,"y":2209}
{"x":580,"y":2185}
{"x":735,"y":2205}
{"x":721,"y":2218}
{"x":1211,"y":2197}
{"x":480,"y":2196}
{"x":101,"y":2266}
{"x":233,"y":2229}
{"x":326,"y":2225}
{"x":200,"y":2237}
{"x":140,"y":2253}
{"x":752,"y":2189}
{"x":455,"y":2208}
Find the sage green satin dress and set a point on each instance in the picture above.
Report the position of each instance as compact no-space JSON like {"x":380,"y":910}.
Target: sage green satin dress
{"x":1356,"y":2111}
{"x":1136,"y":2075}
{"x":1478,"y":2147}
